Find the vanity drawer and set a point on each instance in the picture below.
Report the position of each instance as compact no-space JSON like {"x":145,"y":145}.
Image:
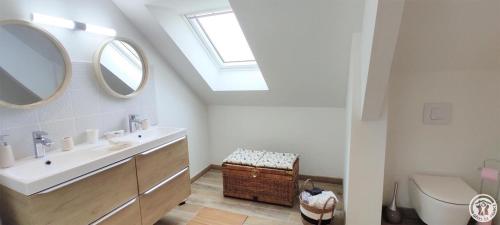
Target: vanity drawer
{"x":165,"y":196}
{"x":127,"y":214}
{"x":160,"y":163}
{"x":79,"y":201}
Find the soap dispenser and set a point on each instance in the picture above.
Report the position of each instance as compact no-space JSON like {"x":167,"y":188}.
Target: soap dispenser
{"x":6,"y":154}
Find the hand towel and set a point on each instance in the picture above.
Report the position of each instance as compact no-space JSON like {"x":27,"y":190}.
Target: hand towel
{"x":489,"y":174}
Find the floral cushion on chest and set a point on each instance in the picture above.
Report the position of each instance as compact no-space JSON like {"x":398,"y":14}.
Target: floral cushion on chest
{"x":244,"y":157}
{"x":262,"y":159}
{"x":278,"y":160}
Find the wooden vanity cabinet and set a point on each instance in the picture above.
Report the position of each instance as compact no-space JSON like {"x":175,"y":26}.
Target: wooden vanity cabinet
{"x":75,"y":203}
{"x":163,"y":179}
{"x":128,"y":214}
{"x":164,"y":197}
{"x":160,"y":163}
{"x":136,"y":191}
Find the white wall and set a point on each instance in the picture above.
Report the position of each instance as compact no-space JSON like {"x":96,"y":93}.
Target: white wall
{"x":365,"y":152}
{"x":176,"y":105}
{"x":318,"y":134}
{"x":367,"y":35}
{"x":380,"y":34}
{"x":456,"y":149}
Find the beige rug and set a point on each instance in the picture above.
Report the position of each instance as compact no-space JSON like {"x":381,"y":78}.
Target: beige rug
{"x":209,"y":216}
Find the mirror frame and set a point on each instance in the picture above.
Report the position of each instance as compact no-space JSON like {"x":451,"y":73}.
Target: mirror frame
{"x":67,"y":65}
{"x":100,"y":76}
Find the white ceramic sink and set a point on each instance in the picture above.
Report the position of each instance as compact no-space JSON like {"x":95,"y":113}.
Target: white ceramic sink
{"x":29,"y":176}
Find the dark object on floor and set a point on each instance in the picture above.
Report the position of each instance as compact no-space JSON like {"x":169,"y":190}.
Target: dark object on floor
{"x":393,"y":217}
{"x":409,"y":216}
{"x":392,"y":213}
{"x":308,"y":221}
{"x":314,"y":191}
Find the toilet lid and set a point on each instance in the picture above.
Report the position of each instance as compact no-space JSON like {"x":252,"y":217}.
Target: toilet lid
{"x":446,"y":189}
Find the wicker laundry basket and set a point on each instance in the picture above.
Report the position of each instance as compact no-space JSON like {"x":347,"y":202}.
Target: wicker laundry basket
{"x":316,"y":216}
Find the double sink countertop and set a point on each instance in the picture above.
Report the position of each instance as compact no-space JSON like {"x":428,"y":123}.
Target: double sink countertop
{"x":31,"y":175}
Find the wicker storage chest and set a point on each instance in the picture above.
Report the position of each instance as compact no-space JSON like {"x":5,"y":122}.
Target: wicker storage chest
{"x":276,"y":186}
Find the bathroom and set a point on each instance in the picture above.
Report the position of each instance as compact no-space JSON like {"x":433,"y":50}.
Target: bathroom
{"x":365,"y":93}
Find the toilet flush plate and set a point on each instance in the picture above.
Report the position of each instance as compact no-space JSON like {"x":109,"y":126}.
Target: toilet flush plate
{"x":437,"y":113}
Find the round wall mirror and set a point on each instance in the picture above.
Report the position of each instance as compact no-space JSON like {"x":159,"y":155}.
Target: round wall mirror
{"x":121,"y":68}
{"x":34,"y":66}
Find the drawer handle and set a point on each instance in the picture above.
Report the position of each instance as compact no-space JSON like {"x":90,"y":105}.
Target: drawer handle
{"x":162,"y":146}
{"x":59,"y":186}
{"x":165,"y":181}
{"x":114,"y":212}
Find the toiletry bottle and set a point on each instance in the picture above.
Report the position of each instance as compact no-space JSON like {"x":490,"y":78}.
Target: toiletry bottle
{"x":6,"y":154}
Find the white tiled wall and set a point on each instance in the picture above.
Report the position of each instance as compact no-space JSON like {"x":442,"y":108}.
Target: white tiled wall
{"x":84,"y":105}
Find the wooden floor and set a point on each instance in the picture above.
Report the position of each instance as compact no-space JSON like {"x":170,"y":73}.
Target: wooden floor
{"x":207,"y":192}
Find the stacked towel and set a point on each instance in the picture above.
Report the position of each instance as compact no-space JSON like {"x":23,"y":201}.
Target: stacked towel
{"x":489,"y":174}
{"x":318,"y":201}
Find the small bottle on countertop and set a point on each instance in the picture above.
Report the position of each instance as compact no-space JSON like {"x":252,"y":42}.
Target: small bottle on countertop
{"x":145,"y":124}
{"x":6,"y":154}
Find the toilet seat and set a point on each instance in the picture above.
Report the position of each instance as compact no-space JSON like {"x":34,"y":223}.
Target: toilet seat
{"x":450,"y":190}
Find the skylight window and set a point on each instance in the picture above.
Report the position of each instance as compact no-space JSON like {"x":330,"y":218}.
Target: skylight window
{"x":222,"y":35}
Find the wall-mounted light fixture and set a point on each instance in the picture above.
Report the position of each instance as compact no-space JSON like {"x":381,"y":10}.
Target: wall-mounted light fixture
{"x":70,"y":24}
{"x":52,"y":20}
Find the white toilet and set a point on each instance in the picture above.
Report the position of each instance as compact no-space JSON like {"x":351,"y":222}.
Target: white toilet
{"x":441,"y":200}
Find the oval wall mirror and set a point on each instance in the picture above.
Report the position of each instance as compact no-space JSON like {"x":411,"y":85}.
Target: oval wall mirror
{"x":121,"y":68}
{"x":34,"y":66}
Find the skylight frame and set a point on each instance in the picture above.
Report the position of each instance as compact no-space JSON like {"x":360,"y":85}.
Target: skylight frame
{"x":216,"y":56}
{"x":128,"y":52}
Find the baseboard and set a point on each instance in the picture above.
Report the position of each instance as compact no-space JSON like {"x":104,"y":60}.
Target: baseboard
{"x":201,"y":173}
{"x":331,"y":180}
{"x":216,"y":167}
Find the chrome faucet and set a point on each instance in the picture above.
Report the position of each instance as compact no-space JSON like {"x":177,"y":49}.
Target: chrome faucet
{"x":41,"y":141}
{"x":133,"y":123}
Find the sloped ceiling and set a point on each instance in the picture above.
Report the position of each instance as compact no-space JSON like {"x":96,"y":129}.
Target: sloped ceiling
{"x":447,"y":35}
{"x":301,"y":47}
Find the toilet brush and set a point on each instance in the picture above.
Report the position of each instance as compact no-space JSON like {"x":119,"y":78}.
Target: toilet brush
{"x":391,"y":213}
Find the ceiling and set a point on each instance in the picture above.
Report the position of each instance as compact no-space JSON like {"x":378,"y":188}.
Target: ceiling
{"x":447,"y":35}
{"x":301,"y":47}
